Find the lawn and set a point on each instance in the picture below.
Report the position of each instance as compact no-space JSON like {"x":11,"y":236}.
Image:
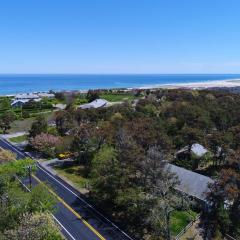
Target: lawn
{"x":74,"y":173}
{"x":18,"y":139}
{"x":25,"y":124}
{"x":180,"y":219}
{"x":80,"y":101}
{"x":117,"y":97}
{"x":111,"y":97}
{"x":21,"y":125}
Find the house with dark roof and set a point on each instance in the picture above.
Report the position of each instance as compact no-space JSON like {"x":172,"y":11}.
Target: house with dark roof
{"x":191,"y":183}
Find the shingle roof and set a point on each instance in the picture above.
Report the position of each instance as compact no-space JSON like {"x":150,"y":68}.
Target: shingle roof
{"x":191,"y":183}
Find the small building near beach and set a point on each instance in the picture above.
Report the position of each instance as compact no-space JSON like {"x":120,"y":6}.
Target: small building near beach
{"x":21,"y":99}
{"x":98,"y":103}
{"x":27,"y":96}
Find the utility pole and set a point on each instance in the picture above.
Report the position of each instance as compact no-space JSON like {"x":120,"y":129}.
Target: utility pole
{"x":29,"y":170}
{"x":30,"y":175}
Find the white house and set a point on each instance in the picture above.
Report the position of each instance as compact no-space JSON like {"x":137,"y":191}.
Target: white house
{"x":19,"y":103}
{"x":21,"y":99}
{"x":27,"y":96}
{"x":197,"y":149}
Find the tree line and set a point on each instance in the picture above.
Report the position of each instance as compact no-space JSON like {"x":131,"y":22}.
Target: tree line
{"x":124,"y":149}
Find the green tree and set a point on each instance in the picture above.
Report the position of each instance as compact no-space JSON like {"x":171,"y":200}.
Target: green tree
{"x":16,"y":167}
{"x":6,"y":119}
{"x":224,"y":201}
{"x":64,"y":122}
{"x":41,"y":200}
{"x":83,"y":146}
{"x":105,"y":174}
{"x":16,"y":203}
{"x":39,"y":126}
{"x":60,"y":96}
{"x":5,"y":103}
{"x":160,"y":183}
{"x":92,"y":95}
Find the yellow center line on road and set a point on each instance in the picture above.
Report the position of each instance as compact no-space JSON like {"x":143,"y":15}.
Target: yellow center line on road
{"x":71,"y":209}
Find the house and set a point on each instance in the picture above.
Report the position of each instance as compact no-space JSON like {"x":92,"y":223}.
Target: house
{"x":19,"y":103}
{"x":27,"y":96}
{"x":190,"y":183}
{"x":45,"y":95}
{"x":21,"y":99}
{"x":197,"y":149}
{"x":98,"y":103}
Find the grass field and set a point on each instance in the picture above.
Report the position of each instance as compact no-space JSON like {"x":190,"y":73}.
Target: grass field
{"x":73,"y":173}
{"x":180,"y":219}
{"x":117,"y":97}
{"x":25,"y":124}
{"x":18,"y":139}
{"x":80,"y":101}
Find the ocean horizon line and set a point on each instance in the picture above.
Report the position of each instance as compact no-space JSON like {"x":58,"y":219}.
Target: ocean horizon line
{"x":23,"y":83}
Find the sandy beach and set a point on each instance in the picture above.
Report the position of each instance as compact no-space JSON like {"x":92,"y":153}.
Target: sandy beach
{"x":198,"y":85}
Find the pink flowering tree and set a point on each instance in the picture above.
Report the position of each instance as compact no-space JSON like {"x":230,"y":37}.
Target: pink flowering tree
{"x":46,"y":143}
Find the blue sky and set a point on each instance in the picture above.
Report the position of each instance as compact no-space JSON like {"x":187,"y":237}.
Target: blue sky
{"x":120,"y":36}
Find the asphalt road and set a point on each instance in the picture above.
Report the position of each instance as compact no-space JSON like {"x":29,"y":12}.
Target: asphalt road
{"x":78,"y":219}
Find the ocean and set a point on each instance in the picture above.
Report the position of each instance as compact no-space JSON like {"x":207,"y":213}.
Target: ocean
{"x":22,"y":83}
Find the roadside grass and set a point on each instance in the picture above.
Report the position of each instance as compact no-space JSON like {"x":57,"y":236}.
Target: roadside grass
{"x":180,"y":219}
{"x":117,"y":97}
{"x":18,"y":139}
{"x":74,"y":173}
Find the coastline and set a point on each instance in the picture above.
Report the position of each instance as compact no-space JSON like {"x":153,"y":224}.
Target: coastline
{"x":198,"y":85}
{"x":228,"y":83}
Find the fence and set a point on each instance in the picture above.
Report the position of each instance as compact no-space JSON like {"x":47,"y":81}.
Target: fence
{"x":228,"y":237}
{"x":187,"y":227}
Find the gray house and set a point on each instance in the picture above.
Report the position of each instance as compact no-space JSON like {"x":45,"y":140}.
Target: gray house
{"x":98,"y":103}
{"x":192,"y":184}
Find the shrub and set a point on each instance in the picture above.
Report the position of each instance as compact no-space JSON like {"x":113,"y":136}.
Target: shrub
{"x":46,"y":144}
